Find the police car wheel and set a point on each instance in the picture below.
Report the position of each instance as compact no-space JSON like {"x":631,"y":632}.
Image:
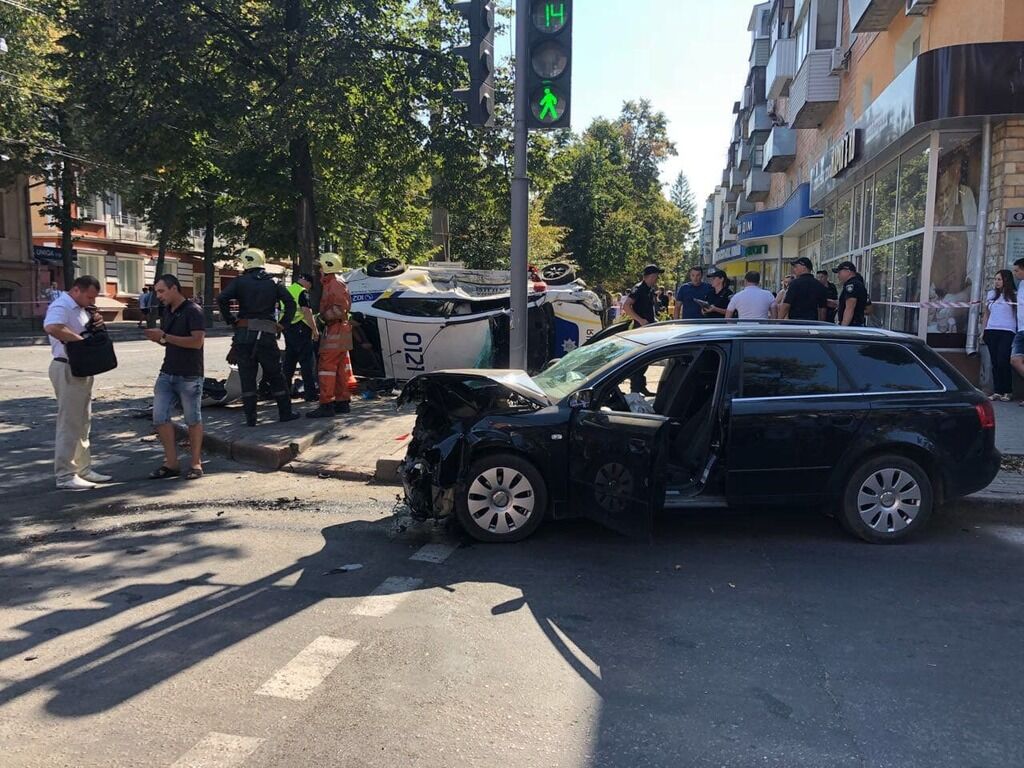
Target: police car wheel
{"x":558,"y":273}
{"x":386,"y":267}
{"x":504,"y":499}
{"x":887,"y":500}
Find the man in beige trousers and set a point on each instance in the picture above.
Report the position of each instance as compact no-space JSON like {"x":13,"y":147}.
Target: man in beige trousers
{"x":66,"y":319}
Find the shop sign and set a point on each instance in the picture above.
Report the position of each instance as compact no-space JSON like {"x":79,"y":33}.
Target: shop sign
{"x":1015,"y":217}
{"x":46,"y":254}
{"x":843,"y":154}
{"x":755,"y":250}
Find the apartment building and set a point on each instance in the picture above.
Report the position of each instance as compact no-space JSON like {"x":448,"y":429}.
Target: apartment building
{"x":889,"y":133}
{"x":110,"y":244}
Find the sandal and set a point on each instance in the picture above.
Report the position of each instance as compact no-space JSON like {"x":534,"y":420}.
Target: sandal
{"x":194,"y":473}
{"x":164,"y":472}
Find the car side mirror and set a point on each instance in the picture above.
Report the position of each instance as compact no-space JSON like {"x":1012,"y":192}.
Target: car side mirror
{"x":583,"y":399}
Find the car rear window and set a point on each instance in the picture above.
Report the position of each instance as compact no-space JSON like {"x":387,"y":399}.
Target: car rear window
{"x":788,"y":369}
{"x":883,"y":368}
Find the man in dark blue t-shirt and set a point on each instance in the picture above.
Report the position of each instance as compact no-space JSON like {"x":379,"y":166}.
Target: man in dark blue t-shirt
{"x":689,"y":293}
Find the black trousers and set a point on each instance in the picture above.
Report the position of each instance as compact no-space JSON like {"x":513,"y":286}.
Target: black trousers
{"x":999,"y":344}
{"x":257,"y":351}
{"x":298,"y":351}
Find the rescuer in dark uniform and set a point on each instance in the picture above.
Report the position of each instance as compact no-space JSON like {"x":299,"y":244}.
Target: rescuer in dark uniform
{"x":853,"y":296}
{"x":255,"y":341}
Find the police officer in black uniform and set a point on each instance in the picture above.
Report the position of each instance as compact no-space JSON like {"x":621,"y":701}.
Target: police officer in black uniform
{"x":853,"y":296}
{"x":255,"y":341}
{"x":641,"y":306}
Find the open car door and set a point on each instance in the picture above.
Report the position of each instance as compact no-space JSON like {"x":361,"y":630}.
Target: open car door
{"x":617,"y":469}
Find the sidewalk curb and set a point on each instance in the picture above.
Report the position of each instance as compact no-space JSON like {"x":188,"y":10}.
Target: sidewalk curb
{"x":265,"y":456}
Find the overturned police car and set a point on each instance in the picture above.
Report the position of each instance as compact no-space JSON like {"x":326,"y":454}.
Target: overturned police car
{"x":411,"y":320}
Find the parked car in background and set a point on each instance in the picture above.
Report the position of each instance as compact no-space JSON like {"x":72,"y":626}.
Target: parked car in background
{"x":870,"y":423}
{"x":412,"y":320}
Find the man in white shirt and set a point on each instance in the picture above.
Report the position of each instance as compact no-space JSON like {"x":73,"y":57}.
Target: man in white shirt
{"x":753,"y":302}
{"x":66,"y":320}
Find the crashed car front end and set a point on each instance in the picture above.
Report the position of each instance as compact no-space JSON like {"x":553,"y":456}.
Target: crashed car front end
{"x":450,"y":407}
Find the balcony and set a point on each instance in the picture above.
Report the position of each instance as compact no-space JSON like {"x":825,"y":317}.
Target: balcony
{"x":760,"y":51}
{"x":779,"y":149}
{"x":737,"y":180}
{"x":814,"y":92}
{"x":758,"y":186}
{"x":759,"y":124}
{"x":781,"y":68}
{"x":743,"y":204}
{"x":740,"y":157}
{"x":874,"y":15}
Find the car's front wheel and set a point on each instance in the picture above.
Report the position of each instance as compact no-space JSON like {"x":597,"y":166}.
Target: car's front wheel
{"x":887,"y":500}
{"x":504,"y":498}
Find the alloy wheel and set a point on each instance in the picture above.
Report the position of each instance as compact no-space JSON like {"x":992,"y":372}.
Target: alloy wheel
{"x":501,"y":500}
{"x":889,"y":500}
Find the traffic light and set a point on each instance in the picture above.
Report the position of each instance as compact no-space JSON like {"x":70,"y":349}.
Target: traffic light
{"x":479,"y":55}
{"x":549,"y":69}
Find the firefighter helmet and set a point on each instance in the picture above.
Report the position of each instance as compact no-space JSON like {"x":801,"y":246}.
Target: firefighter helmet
{"x":252,"y":258}
{"x":330,"y":263}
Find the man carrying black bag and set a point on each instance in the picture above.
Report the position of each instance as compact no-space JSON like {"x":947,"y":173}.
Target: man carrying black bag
{"x":68,"y":319}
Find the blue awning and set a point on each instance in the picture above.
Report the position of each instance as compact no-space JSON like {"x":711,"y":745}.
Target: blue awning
{"x":777,"y":222}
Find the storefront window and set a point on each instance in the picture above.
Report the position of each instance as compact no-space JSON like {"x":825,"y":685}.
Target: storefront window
{"x":951,"y":270}
{"x":828,"y":230}
{"x":907,"y":284}
{"x":855,"y":226}
{"x":956,"y":203}
{"x":913,"y":197}
{"x":842,"y":232}
{"x":884,"y":221}
{"x":879,"y":266}
{"x":810,"y":245}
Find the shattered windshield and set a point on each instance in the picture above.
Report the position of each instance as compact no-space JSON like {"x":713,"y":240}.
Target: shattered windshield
{"x":569,"y":374}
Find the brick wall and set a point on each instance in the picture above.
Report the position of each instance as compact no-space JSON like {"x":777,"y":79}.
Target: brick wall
{"x":1007,"y":188}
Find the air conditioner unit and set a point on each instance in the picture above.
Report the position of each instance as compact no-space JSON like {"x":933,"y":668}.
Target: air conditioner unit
{"x":919,"y":7}
{"x":841,"y":59}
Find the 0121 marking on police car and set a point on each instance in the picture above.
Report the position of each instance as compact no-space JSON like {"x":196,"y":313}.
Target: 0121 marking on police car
{"x":413,"y":352}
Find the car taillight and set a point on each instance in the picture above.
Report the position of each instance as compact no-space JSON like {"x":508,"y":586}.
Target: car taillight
{"x":986,"y":415}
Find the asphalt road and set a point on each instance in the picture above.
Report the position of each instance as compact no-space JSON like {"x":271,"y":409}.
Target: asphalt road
{"x":215,"y":623}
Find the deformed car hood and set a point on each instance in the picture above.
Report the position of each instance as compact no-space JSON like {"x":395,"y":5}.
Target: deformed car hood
{"x":517,"y":382}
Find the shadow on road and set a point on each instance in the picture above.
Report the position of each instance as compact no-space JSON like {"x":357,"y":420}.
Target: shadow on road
{"x":735,"y":639}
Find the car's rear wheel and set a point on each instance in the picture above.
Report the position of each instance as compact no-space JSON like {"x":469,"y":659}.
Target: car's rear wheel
{"x":386,"y":267}
{"x":887,"y":500}
{"x":504,"y":498}
{"x":558,"y":273}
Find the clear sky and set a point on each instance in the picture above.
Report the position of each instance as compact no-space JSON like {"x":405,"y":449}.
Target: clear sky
{"x":689,"y":57}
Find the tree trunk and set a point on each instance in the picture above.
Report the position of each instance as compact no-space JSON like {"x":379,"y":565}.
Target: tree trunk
{"x":166,"y":228}
{"x":305,"y":202}
{"x":208,"y":256}
{"x":67,"y":222}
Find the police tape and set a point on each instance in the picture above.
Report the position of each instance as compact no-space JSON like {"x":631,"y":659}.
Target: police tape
{"x":935,"y":304}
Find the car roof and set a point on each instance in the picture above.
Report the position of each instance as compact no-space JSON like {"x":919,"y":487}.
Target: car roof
{"x":717,"y":330}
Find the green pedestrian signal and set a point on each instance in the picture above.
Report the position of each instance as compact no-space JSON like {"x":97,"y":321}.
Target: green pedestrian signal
{"x":549,"y":69}
{"x":548,"y":106}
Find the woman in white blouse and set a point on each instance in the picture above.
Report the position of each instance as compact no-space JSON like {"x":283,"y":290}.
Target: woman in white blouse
{"x":1000,"y":326}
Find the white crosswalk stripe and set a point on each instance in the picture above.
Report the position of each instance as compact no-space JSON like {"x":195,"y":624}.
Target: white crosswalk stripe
{"x":385,"y":598}
{"x":433,"y":553}
{"x":219,"y":750}
{"x":298,"y":678}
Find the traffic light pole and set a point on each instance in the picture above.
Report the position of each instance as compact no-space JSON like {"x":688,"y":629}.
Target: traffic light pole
{"x":520,"y":196}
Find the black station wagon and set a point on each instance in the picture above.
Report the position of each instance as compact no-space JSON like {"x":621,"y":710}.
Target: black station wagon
{"x":871,"y":423}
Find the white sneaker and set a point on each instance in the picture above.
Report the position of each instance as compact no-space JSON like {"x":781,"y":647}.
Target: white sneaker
{"x":75,"y":484}
{"x":95,"y":477}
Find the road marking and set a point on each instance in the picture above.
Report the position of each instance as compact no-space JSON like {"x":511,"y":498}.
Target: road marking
{"x":385,"y":598}
{"x":300,"y":676}
{"x":219,"y":750}
{"x":433,"y":553}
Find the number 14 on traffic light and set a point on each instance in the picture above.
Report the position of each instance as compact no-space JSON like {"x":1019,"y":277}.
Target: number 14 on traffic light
{"x":554,"y":11}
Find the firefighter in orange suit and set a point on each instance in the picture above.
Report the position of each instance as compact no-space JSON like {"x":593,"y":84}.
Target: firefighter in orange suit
{"x":336,"y":341}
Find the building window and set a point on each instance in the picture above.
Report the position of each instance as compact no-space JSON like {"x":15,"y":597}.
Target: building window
{"x":92,"y":265}
{"x":130,"y":274}
{"x":170,"y":267}
{"x":909,"y":46}
{"x":867,"y":94}
{"x":913,"y":195}
{"x":883,"y":226}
